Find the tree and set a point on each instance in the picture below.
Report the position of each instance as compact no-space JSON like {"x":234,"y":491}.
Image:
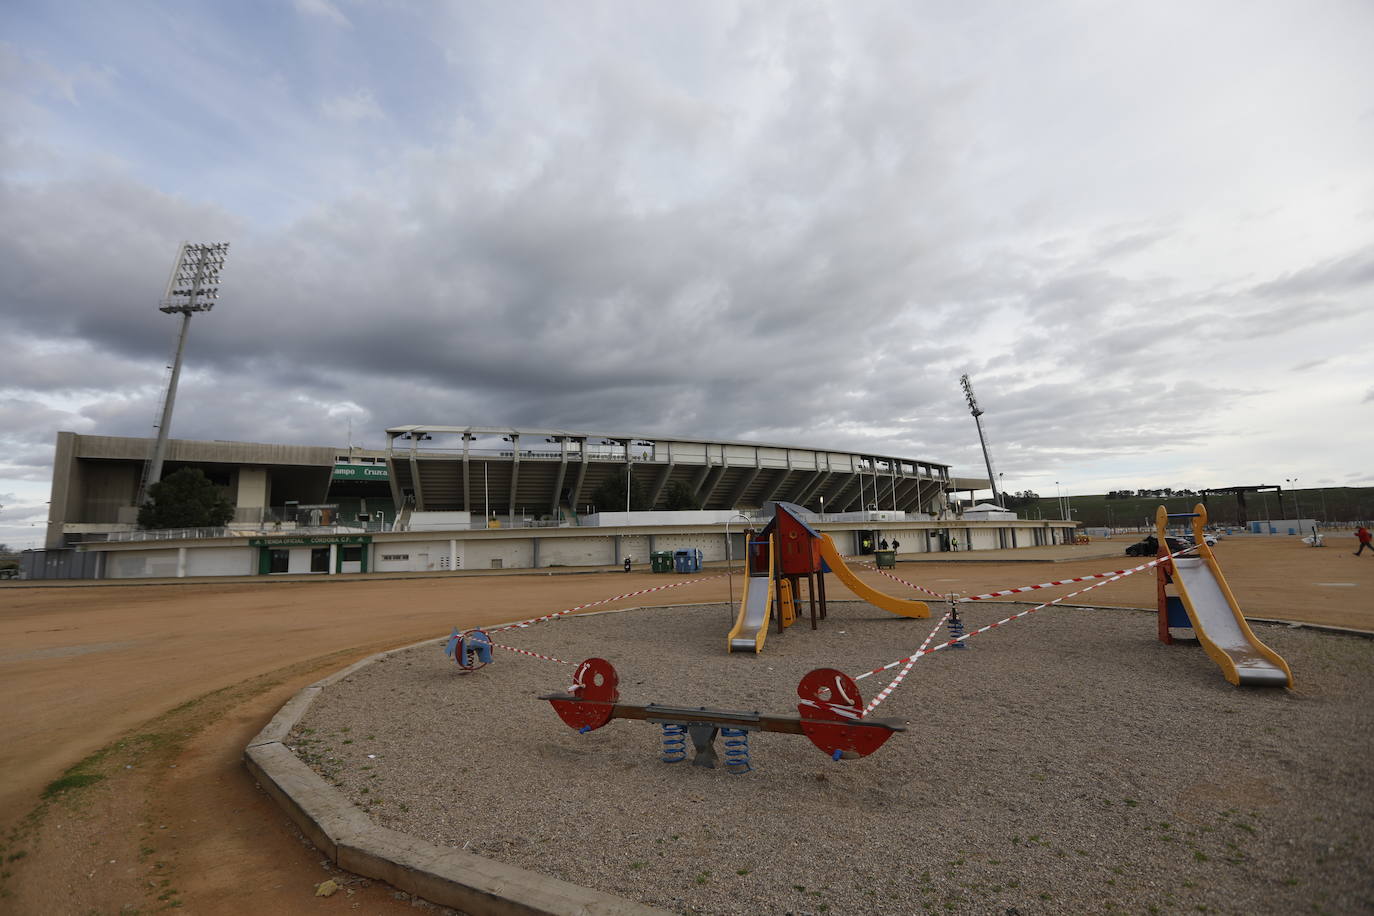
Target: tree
{"x":610,"y":496}
{"x":680,"y":497}
{"x":1017,"y":500}
{"x":186,"y":499}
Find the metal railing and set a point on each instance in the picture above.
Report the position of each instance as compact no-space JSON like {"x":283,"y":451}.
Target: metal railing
{"x":240,"y":531}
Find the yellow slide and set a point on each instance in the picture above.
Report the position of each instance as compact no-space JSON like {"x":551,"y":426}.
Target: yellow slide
{"x":1218,"y":623}
{"x":755,"y":607}
{"x":900,"y":606}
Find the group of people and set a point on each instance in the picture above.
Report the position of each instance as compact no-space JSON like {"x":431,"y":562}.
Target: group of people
{"x":882,"y":545}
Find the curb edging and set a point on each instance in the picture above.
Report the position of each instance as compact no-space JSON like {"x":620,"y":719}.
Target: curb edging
{"x":448,"y":877}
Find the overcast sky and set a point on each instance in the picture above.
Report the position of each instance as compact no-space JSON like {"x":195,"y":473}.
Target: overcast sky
{"x":1146,"y":230}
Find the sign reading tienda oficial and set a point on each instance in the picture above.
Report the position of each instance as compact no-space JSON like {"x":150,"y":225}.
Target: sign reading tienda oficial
{"x":318,"y":540}
{"x":359,"y":472}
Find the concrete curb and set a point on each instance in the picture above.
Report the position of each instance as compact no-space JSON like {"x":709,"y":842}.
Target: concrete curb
{"x":449,"y":877}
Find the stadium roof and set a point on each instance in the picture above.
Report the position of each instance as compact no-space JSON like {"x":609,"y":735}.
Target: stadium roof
{"x":535,"y":471}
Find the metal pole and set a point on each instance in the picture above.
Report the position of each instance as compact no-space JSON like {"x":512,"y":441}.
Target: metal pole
{"x":164,"y":424}
{"x":730,"y":559}
{"x":987,"y":460}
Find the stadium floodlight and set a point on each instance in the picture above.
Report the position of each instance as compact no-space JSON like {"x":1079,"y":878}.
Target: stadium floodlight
{"x":194,"y":284}
{"x":977,"y":419}
{"x":192,"y":287}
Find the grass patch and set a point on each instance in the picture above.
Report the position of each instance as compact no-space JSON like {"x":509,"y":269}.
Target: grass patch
{"x":69,"y":782}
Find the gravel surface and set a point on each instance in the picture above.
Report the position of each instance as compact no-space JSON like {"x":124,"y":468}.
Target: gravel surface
{"x":1068,"y":762}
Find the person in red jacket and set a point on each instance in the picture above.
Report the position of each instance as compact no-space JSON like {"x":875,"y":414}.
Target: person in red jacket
{"x":1363,"y":534}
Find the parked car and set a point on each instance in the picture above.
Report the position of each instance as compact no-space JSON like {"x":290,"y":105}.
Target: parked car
{"x":1210,"y":538}
{"x":1150,"y":546}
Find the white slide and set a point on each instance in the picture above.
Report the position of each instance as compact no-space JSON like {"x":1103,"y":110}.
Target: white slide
{"x":1222,"y":629}
{"x":751,"y":628}
{"x":1218,"y":623}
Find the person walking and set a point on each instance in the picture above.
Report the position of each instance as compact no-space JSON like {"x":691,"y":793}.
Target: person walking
{"x":895,"y":544}
{"x":1363,"y":534}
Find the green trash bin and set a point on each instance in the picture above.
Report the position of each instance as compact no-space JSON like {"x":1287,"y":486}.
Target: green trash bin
{"x":887,"y":559}
{"x":661,"y":561}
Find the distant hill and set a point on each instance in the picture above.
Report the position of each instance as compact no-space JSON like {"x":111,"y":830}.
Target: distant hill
{"x":1338,"y":505}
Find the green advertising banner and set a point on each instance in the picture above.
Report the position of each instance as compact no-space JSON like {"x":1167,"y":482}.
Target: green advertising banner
{"x":360,"y":472}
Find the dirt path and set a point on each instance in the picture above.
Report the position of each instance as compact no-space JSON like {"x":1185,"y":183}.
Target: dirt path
{"x":185,"y":674}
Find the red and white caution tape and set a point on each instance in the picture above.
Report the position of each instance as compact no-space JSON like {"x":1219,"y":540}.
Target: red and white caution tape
{"x":549,"y":658}
{"x":1031,"y":588}
{"x":901,"y":676}
{"x":1009,"y":591}
{"x":919,"y":588}
{"x":583,"y":607}
{"x":945,"y":645}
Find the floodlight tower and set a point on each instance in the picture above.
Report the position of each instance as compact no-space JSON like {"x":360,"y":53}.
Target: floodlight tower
{"x":192,"y":287}
{"x":977,"y":413}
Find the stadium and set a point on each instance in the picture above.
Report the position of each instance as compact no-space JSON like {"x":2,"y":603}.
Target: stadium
{"x":444,"y":498}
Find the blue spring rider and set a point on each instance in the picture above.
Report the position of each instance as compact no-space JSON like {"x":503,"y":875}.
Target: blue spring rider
{"x":471,"y":650}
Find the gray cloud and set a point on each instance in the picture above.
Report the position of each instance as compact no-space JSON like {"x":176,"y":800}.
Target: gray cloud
{"x":795,"y":225}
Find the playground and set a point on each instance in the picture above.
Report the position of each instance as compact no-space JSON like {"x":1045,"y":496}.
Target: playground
{"x":1072,"y":764}
{"x":1057,"y":765}
{"x":1024,"y":730}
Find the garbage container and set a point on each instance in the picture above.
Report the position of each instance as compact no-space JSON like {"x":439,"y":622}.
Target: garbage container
{"x":683,"y":561}
{"x":661,"y":561}
{"x":887,"y":559}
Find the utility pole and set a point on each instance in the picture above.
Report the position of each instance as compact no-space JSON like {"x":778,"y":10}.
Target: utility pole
{"x":977,"y":414}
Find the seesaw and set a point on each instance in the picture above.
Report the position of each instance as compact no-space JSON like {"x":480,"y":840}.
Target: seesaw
{"x":830,"y":714}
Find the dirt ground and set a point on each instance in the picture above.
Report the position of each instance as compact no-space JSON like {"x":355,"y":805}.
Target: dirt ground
{"x":132,"y":704}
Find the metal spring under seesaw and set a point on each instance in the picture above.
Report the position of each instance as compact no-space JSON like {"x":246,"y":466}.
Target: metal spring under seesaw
{"x":736,"y":741}
{"x":674,"y":743}
{"x":956,"y":631}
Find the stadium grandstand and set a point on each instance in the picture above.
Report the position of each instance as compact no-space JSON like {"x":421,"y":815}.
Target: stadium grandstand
{"x":512,"y":473}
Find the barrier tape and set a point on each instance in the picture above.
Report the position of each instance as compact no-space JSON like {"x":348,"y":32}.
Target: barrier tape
{"x":1010,"y":591}
{"x":944,"y":645}
{"x":1031,"y":588}
{"x":549,"y":658}
{"x":919,"y":588}
{"x":583,"y":607}
{"x":896,"y":682}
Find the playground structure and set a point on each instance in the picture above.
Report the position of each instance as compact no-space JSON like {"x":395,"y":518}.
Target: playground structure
{"x":830,"y":714}
{"x":1206,"y":604}
{"x":779,"y":557}
{"x":470,"y":650}
{"x":831,"y":710}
